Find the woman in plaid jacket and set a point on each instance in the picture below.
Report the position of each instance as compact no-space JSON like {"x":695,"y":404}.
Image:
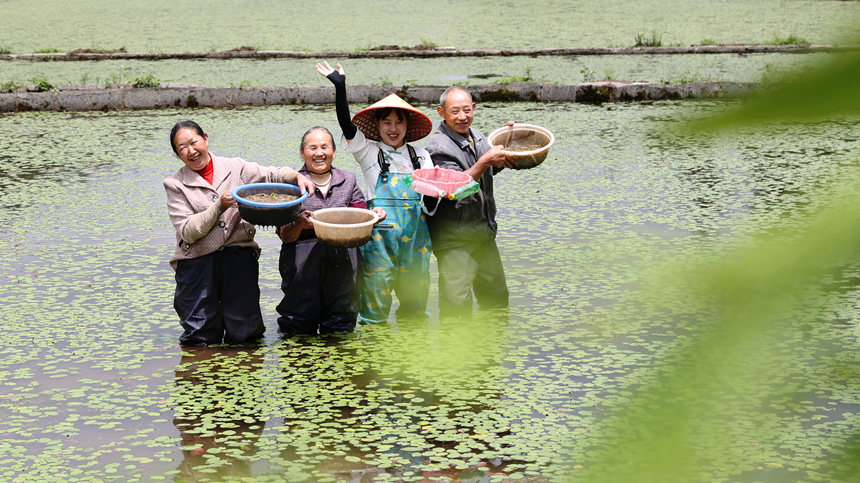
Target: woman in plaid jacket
{"x":217,"y":296}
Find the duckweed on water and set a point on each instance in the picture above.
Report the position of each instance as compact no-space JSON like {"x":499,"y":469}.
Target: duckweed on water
{"x":418,"y":71}
{"x":150,"y":26}
{"x":95,"y":387}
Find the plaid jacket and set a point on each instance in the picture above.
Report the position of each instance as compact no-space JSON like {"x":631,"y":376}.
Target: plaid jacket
{"x":188,"y":193}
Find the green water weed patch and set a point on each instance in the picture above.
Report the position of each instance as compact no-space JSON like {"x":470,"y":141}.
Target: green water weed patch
{"x":655,"y":39}
{"x":788,"y":40}
{"x":588,"y":26}
{"x":146,"y":82}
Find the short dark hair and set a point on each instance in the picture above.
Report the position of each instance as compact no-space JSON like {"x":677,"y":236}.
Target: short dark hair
{"x":184,"y":125}
{"x":315,"y":128}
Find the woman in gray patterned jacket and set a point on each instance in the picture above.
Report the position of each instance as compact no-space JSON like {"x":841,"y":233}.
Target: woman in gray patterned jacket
{"x":319,"y":281}
{"x":217,"y":295}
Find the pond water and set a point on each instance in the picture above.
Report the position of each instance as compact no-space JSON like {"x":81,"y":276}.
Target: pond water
{"x":94,"y":385}
{"x":406,"y":71}
{"x":337,"y":25}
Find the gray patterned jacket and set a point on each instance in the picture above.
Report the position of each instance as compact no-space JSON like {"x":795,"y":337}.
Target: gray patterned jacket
{"x":188,"y":193}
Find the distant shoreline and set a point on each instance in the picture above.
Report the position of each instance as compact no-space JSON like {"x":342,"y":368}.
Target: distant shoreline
{"x":170,"y":96}
{"x":249,"y":53}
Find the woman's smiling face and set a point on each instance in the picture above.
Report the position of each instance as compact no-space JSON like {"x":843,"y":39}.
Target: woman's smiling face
{"x":192,"y":148}
{"x":318,"y":151}
{"x":392,"y":128}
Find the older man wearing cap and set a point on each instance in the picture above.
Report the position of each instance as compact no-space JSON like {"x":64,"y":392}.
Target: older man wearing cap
{"x":394,"y":260}
{"x":464,"y":231}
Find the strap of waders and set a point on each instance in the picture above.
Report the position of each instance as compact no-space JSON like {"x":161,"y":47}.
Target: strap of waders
{"x":384,"y":166}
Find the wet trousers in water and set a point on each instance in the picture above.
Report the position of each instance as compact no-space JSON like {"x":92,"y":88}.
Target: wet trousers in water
{"x":218,"y":297}
{"x":396,"y":260}
{"x":475,"y":267}
{"x":319,"y":284}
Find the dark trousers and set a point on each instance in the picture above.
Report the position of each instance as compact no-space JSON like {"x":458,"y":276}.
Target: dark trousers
{"x":472,"y":268}
{"x":218,"y":297}
{"x":319,"y":284}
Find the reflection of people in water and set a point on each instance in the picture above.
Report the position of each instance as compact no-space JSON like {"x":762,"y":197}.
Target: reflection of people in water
{"x":357,"y":412}
{"x":212,"y":412}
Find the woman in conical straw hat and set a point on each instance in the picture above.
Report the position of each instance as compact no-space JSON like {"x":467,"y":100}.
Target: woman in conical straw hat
{"x":395,"y":260}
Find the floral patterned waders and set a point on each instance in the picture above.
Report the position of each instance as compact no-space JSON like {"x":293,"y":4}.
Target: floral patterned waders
{"x":395,"y":259}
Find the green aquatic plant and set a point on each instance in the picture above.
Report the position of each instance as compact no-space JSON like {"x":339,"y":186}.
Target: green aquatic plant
{"x":42,"y":84}
{"x":588,"y":75}
{"x":507,"y":395}
{"x":526,"y":77}
{"x":643,"y":40}
{"x":4,"y":50}
{"x":9,"y":86}
{"x":147,"y":81}
{"x":687,"y":77}
{"x":790,"y":40}
{"x":426,"y":44}
{"x":117,"y":77}
{"x":815,"y":94}
{"x":776,"y":73}
{"x":49,"y":50}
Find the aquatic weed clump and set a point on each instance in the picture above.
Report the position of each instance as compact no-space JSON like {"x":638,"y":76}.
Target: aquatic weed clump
{"x":148,"y":81}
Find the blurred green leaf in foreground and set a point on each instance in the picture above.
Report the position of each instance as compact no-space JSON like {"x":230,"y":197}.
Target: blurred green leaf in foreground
{"x":718,"y":409}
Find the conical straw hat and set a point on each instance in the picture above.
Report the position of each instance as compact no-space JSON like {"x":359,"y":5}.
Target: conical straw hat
{"x":418,"y":124}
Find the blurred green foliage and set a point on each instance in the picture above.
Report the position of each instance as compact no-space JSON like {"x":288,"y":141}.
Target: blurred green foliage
{"x":756,"y":310}
{"x":822,"y":93}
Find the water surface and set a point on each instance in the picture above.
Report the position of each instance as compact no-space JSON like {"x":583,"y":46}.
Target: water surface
{"x":95,"y":386}
{"x":338,"y":25}
{"x":405,"y":72}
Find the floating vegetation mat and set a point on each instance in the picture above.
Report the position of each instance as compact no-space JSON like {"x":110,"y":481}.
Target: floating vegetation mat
{"x":94,"y":387}
{"x":420,"y":71}
{"x":148,"y":27}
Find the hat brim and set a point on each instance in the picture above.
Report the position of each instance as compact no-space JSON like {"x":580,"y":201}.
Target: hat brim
{"x":418,"y":124}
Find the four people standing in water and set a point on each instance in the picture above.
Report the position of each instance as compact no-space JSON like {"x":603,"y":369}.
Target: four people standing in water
{"x":327,"y":289}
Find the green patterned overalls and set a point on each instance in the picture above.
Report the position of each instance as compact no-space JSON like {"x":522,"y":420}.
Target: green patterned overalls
{"x":398,"y":259}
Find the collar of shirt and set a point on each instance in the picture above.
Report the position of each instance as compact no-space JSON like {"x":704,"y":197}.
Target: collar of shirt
{"x":462,"y":141}
{"x":458,"y":138}
{"x":388,"y":148}
{"x":401,"y":163}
